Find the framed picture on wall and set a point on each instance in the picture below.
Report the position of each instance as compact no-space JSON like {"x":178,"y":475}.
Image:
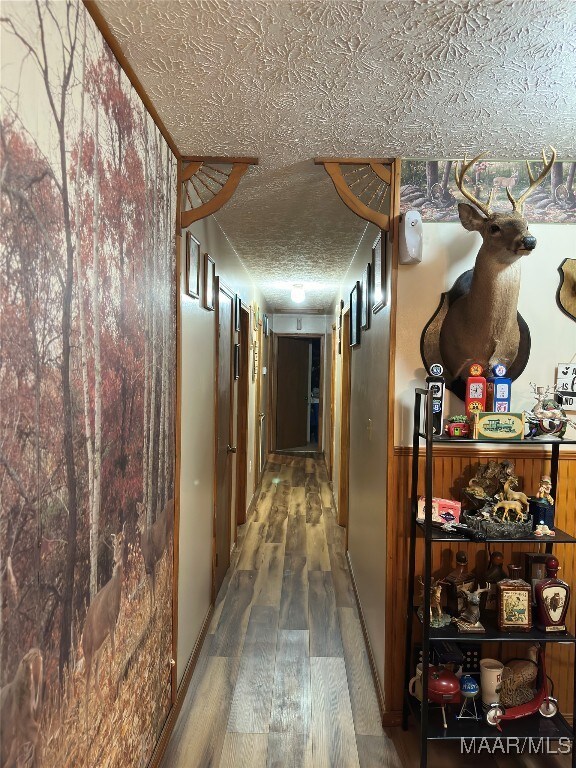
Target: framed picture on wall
{"x":192,"y":266}
{"x":366,"y":299}
{"x":236,"y":362}
{"x":379,"y":273}
{"x":237,"y":310}
{"x":265,"y":325}
{"x":355,"y":309}
{"x":209,"y":275}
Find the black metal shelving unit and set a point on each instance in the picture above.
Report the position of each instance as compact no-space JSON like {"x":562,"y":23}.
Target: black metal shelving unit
{"x":429,"y":715}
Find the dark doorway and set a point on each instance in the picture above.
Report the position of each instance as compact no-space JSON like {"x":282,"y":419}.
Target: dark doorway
{"x":224,"y":433}
{"x":298,"y":412}
{"x":242,"y":419}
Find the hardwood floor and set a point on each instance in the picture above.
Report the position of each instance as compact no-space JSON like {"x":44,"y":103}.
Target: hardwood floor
{"x":283,"y":679}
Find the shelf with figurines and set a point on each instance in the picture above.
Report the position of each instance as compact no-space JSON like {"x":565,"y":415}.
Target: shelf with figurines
{"x":467,"y":608}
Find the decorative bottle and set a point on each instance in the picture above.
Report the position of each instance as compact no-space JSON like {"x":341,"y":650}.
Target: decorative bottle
{"x":552,"y":599}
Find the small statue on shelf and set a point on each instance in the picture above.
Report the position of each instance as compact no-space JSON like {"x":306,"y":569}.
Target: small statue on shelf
{"x":542,"y":509}
{"x":547,"y":418}
{"x":469,"y":690}
{"x":518,"y":680}
{"x":458,"y":579}
{"x":493,"y":506}
{"x":469,"y":617}
{"x":438,"y":618}
{"x":457,"y":426}
{"x":544,"y":490}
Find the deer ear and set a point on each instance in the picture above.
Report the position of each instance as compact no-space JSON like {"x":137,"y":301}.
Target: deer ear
{"x":470,"y":218}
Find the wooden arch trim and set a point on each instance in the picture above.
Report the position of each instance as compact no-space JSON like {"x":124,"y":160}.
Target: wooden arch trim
{"x":191,"y":166}
{"x":380,"y":167}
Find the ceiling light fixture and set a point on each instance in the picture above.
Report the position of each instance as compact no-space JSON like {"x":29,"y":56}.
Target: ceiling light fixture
{"x":298,"y":294}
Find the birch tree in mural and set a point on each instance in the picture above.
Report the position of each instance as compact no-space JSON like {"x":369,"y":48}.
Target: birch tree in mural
{"x":87,"y":357}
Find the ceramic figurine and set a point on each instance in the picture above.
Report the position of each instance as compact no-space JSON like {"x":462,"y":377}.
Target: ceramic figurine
{"x":493,"y":508}
{"x":459,"y":579}
{"x":457,"y":426}
{"x":547,"y":418}
{"x":494,"y":574}
{"x":552,"y":599}
{"x":469,"y":618}
{"x":438,"y":618}
{"x":435,"y":384}
{"x":542,"y":509}
{"x":498,"y":390}
{"x":545,"y":488}
{"x":475,"y":391}
{"x":518,"y":679}
{"x":469,"y":689}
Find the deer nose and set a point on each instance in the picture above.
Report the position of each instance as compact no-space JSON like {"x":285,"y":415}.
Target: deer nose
{"x":529,"y":242}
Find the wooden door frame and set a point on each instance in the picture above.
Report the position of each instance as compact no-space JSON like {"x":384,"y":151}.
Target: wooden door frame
{"x":242,"y":418}
{"x":345,"y":391}
{"x":257,"y":425}
{"x":332,"y":400}
{"x":274,"y":388}
{"x":220,"y":286}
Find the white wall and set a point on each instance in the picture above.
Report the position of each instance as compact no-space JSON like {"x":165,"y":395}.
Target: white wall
{"x":283,"y":322}
{"x":449,"y":250}
{"x":368,"y":454}
{"x":197,"y":328}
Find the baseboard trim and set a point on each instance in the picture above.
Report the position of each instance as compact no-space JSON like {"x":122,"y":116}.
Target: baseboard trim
{"x":377,"y":685}
{"x":392,"y":719}
{"x":162,"y":742}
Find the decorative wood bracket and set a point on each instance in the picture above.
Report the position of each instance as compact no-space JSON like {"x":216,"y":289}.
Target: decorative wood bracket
{"x":364,"y":187}
{"x":208,"y":183}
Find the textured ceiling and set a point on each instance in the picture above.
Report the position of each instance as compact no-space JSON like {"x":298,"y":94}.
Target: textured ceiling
{"x":287,"y":80}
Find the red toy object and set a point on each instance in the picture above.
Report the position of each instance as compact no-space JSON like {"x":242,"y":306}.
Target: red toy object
{"x":457,"y":429}
{"x":542,"y":702}
{"x":475,"y":391}
{"x":443,"y":688}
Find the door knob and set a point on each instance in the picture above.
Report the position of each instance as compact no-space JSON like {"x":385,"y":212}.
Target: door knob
{"x":231,"y":449}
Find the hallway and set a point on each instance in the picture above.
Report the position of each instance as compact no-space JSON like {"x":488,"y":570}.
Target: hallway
{"x":283,"y":678}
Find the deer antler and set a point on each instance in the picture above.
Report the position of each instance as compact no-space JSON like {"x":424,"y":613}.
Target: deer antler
{"x":517,"y":204}
{"x":459,"y":177}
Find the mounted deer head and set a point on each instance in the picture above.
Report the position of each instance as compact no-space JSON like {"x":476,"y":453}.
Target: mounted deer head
{"x":481,"y":325}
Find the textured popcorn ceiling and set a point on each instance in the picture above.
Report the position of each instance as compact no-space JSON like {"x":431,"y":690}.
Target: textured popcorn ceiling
{"x":287,"y":80}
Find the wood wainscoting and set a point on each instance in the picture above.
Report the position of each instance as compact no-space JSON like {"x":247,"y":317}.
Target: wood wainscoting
{"x":452,"y":463}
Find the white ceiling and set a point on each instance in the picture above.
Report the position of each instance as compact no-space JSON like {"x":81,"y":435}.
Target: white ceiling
{"x":288,"y":80}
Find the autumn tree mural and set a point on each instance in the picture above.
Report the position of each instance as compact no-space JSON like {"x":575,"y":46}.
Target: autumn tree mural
{"x":87,"y":363}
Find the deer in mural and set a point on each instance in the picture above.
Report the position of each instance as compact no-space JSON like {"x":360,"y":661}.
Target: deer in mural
{"x":505,"y":182}
{"x":102,"y":617}
{"x":20,"y":714}
{"x":153,"y":541}
{"x":477,"y":321}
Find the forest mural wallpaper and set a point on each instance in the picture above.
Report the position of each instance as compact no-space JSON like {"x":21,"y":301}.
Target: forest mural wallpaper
{"x":87,"y":394}
{"x":429,"y":187}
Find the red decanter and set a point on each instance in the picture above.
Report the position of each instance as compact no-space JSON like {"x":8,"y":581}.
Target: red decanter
{"x":552,"y":599}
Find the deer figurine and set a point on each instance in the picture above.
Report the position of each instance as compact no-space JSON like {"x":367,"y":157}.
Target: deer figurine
{"x":153,"y":541}
{"x":435,"y":598}
{"x":511,"y":495}
{"x":478,"y":321}
{"x":102,"y":617}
